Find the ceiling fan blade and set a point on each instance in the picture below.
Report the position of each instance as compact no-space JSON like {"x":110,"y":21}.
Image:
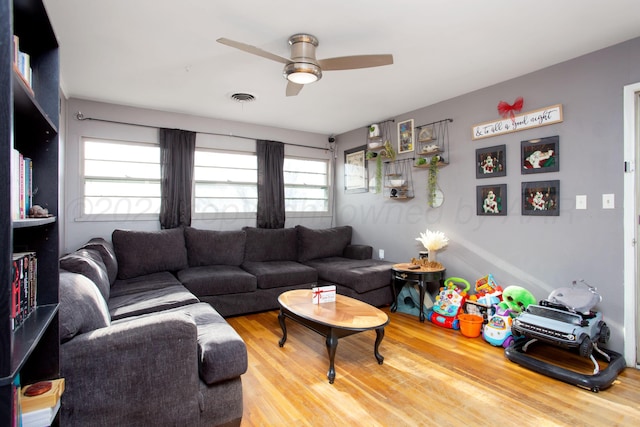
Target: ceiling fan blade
{"x":254,"y":50}
{"x":354,"y":62}
{"x":293,"y":88}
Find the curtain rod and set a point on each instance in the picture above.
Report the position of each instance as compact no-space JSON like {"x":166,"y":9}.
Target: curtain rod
{"x":81,"y":117}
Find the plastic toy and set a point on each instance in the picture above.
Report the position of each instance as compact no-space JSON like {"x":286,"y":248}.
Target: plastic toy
{"x":565,"y":319}
{"x":497,"y":331}
{"x":516,"y":299}
{"x":449,"y":303}
{"x":486,"y":285}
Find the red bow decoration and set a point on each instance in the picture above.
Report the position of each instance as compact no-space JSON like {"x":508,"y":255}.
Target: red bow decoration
{"x":507,"y":110}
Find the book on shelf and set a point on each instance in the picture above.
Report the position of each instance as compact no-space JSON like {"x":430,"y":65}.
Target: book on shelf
{"x":15,"y":409}
{"x":40,"y":409}
{"x":24,"y":284}
{"x":22,"y":64}
{"x":21,"y":185}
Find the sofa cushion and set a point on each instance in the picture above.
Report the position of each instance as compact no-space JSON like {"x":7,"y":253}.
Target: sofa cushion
{"x":108,"y":255}
{"x":212,"y":247}
{"x":82,"y":307}
{"x":146,"y":252}
{"x":217,"y":280}
{"x":322,"y":243}
{"x":147,"y":282}
{"x":265,"y":244}
{"x":150,"y":301}
{"x":221,"y":351}
{"x":88,"y":263}
{"x":359,"y":275}
{"x":276,"y":274}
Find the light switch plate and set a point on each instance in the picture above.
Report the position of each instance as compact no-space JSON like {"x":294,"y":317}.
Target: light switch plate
{"x":608,"y":201}
{"x":581,"y":201}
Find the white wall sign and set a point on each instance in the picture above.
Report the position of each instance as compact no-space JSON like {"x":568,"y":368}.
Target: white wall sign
{"x":532,"y":119}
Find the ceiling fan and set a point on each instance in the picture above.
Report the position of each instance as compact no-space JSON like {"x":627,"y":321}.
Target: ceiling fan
{"x":303,"y":67}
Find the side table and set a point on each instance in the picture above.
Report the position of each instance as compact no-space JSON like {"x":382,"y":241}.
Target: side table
{"x":421,"y":276}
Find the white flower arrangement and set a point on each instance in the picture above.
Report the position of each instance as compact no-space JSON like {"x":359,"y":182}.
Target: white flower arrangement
{"x":433,"y":240}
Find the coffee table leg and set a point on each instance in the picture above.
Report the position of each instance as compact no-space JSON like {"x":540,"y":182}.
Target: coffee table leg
{"x":284,"y":329}
{"x":332,"y":345}
{"x":379,"y":337}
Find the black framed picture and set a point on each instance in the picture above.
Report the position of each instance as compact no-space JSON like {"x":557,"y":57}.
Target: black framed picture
{"x":355,"y":170}
{"x":491,"y":161}
{"x":491,"y":200}
{"x":540,"y":155}
{"x":541,"y":198}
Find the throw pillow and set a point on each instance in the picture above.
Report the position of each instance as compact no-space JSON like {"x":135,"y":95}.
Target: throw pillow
{"x":322,"y":243}
{"x":145,"y":252}
{"x":82,"y":308}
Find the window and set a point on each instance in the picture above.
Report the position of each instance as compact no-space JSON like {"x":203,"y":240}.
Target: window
{"x":306,"y":186}
{"x":121,"y":177}
{"x":226,"y":183}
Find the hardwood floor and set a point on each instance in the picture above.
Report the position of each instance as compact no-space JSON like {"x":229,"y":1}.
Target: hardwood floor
{"x":431,"y":376}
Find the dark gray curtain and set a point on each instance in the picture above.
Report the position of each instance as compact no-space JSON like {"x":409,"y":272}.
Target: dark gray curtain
{"x":270,"y":184}
{"x":177,"y":152}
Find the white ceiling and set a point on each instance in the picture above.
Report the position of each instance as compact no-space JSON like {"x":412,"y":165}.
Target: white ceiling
{"x":163,"y":55}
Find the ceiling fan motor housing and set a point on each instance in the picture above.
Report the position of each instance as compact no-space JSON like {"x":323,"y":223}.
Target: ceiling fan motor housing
{"x":303,"y":55}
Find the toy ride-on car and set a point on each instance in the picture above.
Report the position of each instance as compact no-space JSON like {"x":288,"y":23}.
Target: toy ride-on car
{"x":566,"y":320}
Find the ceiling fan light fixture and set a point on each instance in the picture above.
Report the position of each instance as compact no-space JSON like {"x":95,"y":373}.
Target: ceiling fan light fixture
{"x":302,"y":73}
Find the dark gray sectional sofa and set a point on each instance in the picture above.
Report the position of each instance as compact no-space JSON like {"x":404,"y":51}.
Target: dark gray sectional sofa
{"x":143,"y":335}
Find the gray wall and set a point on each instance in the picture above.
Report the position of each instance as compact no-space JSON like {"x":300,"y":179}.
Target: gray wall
{"x":538,"y":253}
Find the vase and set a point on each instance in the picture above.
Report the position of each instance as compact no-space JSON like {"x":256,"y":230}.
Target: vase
{"x":432,"y":255}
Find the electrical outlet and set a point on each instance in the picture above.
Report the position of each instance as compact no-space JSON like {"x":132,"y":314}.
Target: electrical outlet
{"x":381,"y":253}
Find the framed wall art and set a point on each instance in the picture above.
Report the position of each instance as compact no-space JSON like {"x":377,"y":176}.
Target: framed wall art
{"x":491,"y":161}
{"x":405,"y":136}
{"x":540,"y":155}
{"x":541,"y":198}
{"x":491,"y":200}
{"x":355,"y":170}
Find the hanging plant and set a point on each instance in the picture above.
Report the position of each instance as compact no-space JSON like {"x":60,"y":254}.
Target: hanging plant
{"x":379,"y":174}
{"x":433,"y":178}
{"x":391,"y":153}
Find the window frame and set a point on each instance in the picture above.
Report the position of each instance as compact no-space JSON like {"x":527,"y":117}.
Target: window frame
{"x":84,"y":216}
{"x":252,"y":215}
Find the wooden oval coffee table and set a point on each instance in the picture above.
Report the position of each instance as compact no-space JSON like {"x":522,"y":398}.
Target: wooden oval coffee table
{"x":333,"y":320}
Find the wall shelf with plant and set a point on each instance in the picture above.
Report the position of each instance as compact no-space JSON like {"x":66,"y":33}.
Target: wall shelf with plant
{"x":379,"y":147}
{"x":433,"y":139}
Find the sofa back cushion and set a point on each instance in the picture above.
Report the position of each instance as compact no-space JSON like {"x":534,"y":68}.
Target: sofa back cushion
{"x":82,"y":308}
{"x":145,"y":252}
{"x":212,"y":247}
{"x":108,"y":255}
{"x":88,"y":263}
{"x":322,"y":243}
{"x":270,"y":244}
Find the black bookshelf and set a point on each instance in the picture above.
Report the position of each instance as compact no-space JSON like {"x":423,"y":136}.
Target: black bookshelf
{"x":29,"y":119}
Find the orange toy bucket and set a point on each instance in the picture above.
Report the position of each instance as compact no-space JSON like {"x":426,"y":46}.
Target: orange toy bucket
{"x":470,"y":325}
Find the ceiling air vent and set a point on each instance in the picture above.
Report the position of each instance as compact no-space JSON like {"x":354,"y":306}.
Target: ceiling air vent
{"x":243,"y":97}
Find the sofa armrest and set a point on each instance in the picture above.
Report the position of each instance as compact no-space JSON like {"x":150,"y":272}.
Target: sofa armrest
{"x":133,"y":370}
{"x":358,"y":252}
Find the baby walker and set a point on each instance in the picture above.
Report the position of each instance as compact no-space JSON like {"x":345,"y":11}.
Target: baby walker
{"x":449,"y":303}
{"x":565,"y":319}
